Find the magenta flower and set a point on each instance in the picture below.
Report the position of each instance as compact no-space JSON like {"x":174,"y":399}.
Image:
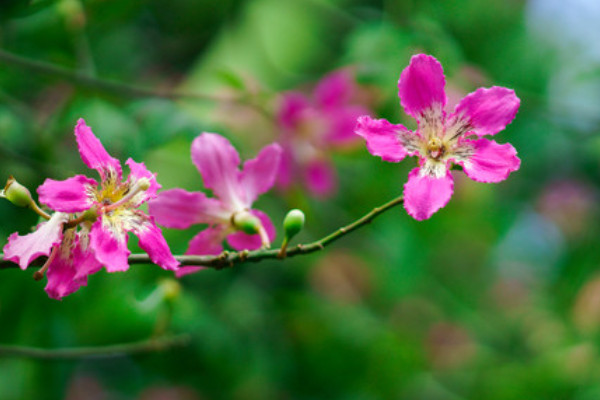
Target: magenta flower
{"x":441,"y":140}
{"x":312,"y":129}
{"x":230,"y":212}
{"x":104,"y":214}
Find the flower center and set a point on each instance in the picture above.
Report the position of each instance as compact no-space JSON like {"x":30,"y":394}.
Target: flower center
{"x":435,"y":148}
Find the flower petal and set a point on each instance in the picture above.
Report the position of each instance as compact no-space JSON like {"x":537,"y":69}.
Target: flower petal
{"x":243,"y":241}
{"x":109,"y":244}
{"x":259,"y":173}
{"x":24,"y":249}
{"x":138,"y":171}
{"x":342,"y":122}
{"x":217,"y":160}
{"x":424,"y":194}
{"x":320,"y":177}
{"x":488,"y":111}
{"x":383,"y":138}
{"x":152,"y":241}
{"x":421,"y":86}
{"x":71,"y":195}
{"x":180,"y":209}
{"x":490,"y":161}
{"x":207,"y":242}
{"x":69,"y":270}
{"x":292,"y":109}
{"x":334,"y":89}
{"x":94,"y":155}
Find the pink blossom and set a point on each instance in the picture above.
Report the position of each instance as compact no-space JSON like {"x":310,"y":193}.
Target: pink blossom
{"x":441,"y":140}
{"x":100,"y":215}
{"x":312,"y":128}
{"x":235,"y":190}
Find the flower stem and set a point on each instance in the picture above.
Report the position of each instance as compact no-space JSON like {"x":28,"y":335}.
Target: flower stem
{"x":229,"y":259}
{"x":115,"y":350}
{"x":38,"y":210}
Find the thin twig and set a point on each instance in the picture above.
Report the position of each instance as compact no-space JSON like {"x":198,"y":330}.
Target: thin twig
{"x":114,"y":350}
{"x":229,"y":259}
{"x":102,"y":85}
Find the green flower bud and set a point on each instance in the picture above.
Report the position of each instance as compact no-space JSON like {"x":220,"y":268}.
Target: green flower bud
{"x":171,"y":289}
{"x":16,"y":193}
{"x":246,"y":222}
{"x":293,"y":223}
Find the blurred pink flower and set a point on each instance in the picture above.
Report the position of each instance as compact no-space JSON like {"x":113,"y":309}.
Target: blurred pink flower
{"x":104,"y":212}
{"x":441,"y":140}
{"x":230,"y":209}
{"x":311,"y":128}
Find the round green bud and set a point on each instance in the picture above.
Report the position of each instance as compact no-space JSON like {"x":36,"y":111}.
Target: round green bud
{"x":246,"y":222}
{"x":16,"y":193}
{"x":293,"y":223}
{"x":171,"y":289}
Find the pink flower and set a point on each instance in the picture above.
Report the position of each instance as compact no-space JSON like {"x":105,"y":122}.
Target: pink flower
{"x":230,"y":212}
{"x":104,"y":214}
{"x":441,"y":140}
{"x":311,"y":129}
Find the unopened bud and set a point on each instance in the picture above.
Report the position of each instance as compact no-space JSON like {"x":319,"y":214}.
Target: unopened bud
{"x":246,"y":222}
{"x":16,"y":193}
{"x":293,"y":223}
{"x":171,"y":289}
{"x":144,"y":184}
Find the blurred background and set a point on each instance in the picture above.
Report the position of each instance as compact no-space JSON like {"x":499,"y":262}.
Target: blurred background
{"x":497,"y":296}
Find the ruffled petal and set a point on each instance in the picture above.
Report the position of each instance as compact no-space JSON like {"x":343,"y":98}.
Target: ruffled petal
{"x":180,"y":209}
{"x":424,"y":194}
{"x":24,"y":249}
{"x":69,"y":269}
{"x":487,"y":111}
{"x":242,"y":241}
{"x":217,"y":160}
{"x":71,"y":195}
{"x":109,"y":244}
{"x":342,"y":122}
{"x":383,"y":138}
{"x":139,"y":170}
{"x":421,"y":86}
{"x":94,"y":155}
{"x":335,"y":89}
{"x":152,"y":241}
{"x":292,"y":109}
{"x":490,"y":161}
{"x":207,"y":242}
{"x":259,"y":173}
{"x":320,"y":177}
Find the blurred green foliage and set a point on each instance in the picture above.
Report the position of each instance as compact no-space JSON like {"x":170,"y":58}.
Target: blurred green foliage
{"x":497,"y":296}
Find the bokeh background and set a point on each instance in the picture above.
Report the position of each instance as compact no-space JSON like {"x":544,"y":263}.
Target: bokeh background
{"x":497,"y":296}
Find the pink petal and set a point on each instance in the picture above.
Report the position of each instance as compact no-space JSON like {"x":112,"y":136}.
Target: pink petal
{"x":94,"y":155}
{"x":217,"y":160}
{"x":342,"y":122}
{"x":138,"y":171}
{"x":207,"y":242}
{"x":180,"y":209}
{"x":292,"y":109}
{"x":424,"y":194}
{"x":68,"y":271}
{"x":152,"y":241}
{"x":335,"y":89}
{"x":492,"y":162}
{"x":320,"y":177}
{"x":109,"y":246}
{"x":24,"y":249}
{"x":61,"y":278}
{"x":421,"y":86}
{"x":259,"y":173}
{"x":70,"y":195}
{"x":286,"y":169}
{"x":383,"y":138}
{"x":243,"y":241}
{"x":488,"y":111}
